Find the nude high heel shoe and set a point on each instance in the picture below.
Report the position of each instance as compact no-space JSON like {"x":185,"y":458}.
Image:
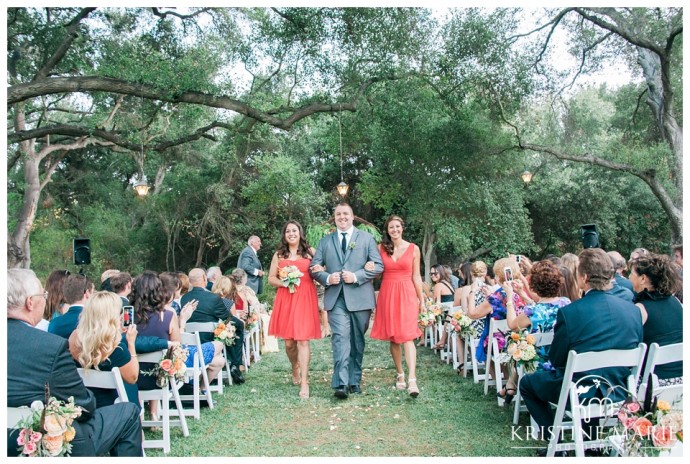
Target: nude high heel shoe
{"x":412,"y":389}
{"x":400,"y":381}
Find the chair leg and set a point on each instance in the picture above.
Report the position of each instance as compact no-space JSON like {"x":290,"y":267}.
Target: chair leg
{"x":180,"y":411}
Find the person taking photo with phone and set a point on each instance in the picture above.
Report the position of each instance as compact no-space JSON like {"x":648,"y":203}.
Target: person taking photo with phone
{"x":506,"y":271}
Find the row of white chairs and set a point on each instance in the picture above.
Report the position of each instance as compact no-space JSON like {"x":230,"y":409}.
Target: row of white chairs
{"x":566,"y":419}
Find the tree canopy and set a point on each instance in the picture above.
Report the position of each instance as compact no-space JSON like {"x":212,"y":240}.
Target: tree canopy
{"x":243,"y":118}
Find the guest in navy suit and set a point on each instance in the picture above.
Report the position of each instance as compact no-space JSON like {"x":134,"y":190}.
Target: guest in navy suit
{"x":77,"y":290}
{"x":598,"y":321}
{"x":36,"y":359}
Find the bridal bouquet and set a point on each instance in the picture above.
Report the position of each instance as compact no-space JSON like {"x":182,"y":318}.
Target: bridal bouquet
{"x":48,"y":430}
{"x":172,"y":365}
{"x":520,"y":350}
{"x":224,"y":333}
{"x":290,"y":277}
{"x":461,"y":324}
{"x":648,"y":428}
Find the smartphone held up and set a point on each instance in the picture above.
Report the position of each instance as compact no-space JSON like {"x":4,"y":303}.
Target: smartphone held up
{"x":127,"y":316}
{"x":508,"y":274}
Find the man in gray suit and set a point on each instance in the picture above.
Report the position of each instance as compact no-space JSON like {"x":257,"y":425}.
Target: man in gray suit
{"x":349,"y":295}
{"x":249,"y":261}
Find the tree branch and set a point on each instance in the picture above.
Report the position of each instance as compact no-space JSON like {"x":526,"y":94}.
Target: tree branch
{"x":62,"y":49}
{"x":53,"y":85}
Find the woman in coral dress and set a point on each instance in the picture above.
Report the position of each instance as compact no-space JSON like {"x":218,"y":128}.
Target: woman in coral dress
{"x":295,"y":315}
{"x":400,"y":301}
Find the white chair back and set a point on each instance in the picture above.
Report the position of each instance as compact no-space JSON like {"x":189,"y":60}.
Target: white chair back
{"x":111,"y":380}
{"x":14,"y":415}
{"x":209,"y":327}
{"x":656,"y":356}
{"x":197,"y":374}
{"x":495,"y":325}
{"x":583,"y":362}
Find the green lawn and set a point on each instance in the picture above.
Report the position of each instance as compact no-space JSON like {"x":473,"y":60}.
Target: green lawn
{"x":265,"y":416}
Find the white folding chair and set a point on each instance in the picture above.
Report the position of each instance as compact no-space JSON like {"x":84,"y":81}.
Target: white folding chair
{"x":429,"y":336}
{"x":583,"y":362}
{"x":209,"y":327}
{"x":15,"y":414}
{"x":540,"y":339}
{"x":163,"y":396}
{"x":492,"y":356}
{"x":197,"y":372}
{"x":471,"y":345}
{"x":105,"y":379}
{"x":658,"y":355}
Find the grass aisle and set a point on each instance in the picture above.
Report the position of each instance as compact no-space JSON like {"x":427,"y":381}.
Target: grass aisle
{"x":265,"y":416}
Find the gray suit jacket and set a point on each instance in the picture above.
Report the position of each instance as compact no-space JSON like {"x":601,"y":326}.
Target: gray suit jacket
{"x":362,"y":248}
{"x":249,"y":261}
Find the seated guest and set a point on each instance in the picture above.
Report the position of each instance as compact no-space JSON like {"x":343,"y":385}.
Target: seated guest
{"x":616,"y":288}
{"x":105,"y":279}
{"x":56,"y":299}
{"x":100,"y":342}
{"x":655,"y":280}
{"x":121,"y":284}
{"x":212,"y":351}
{"x":210,"y":308}
{"x":39,"y":358}
{"x":212,"y":275}
{"x":570,"y":288}
{"x":619,"y":266}
{"x":596,"y":322}
{"x":149,"y":299}
{"x":443,"y":293}
{"x":246,"y":295}
{"x":494,"y":307}
{"x":546,"y":281}
{"x":77,"y":290}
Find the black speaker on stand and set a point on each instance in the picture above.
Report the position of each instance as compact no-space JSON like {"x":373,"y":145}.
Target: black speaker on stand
{"x":81,"y":249}
{"x":589,"y":236}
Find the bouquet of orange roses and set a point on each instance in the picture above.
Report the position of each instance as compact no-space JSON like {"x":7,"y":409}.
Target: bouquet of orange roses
{"x":290,"y":277}
{"x":224,"y":333}
{"x":48,"y":430}
{"x":520,"y":350}
{"x":252,"y":319}
{"x":171,"y":366}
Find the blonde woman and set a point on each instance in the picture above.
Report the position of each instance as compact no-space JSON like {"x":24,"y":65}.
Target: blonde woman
{"x":100,"y":342}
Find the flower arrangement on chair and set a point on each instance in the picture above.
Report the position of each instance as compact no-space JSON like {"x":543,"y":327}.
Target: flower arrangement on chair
{"x":290,"y":277}
{"x":171,"y":366}
{"x":650,"y":427}
{"x":461,"y":324}
{"x":48,"y":430}
{"x":252,"y":319}
{"x":426,"y":319}
{"x":224,"y":333}
{"x":520,"y":350}
{"x":436,"y":309}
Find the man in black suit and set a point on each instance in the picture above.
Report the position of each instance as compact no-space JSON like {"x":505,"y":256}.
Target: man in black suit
{"x":596,"y":322}
{"x":36,"y":358}
{"x":212,"y":275}
{"x":249,"y":261}
{"x":210,"y":308}
{"x":77,"y":290}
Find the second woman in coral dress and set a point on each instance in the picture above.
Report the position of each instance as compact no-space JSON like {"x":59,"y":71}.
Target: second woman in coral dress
{"x":295,"y":315}
{"x":400,"y":301}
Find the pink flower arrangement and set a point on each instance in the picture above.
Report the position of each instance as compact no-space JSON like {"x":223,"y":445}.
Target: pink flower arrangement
{"x":48,"y":430}
{"x":172,"y":365}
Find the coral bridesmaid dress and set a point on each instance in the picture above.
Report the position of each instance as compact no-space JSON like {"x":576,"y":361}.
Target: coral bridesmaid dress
{"x":296,"y":315}
{"x":397,"y":307}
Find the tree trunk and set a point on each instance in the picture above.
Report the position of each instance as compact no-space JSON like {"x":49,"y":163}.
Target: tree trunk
{"x":428,"y":245}
{"x":18,"y":246}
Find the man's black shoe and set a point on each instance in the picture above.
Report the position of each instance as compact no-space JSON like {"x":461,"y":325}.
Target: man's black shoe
{"x":340,"y":393}
{"x":186,"y":389}
{"x":355,"y":389}
{"x":236,"y":375}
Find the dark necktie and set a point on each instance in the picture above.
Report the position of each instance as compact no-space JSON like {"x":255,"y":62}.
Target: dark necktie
{"x":343,"y":244}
